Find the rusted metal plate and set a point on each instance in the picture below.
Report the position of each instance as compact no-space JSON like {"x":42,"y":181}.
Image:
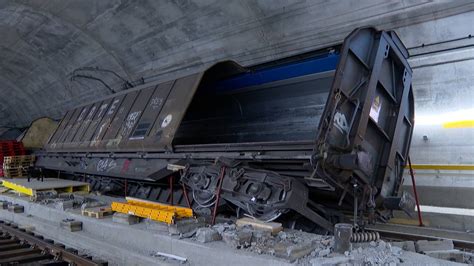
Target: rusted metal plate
{"x":141,"y":119}
{"x":101,"y":111}
{"x":150,"y":114}
{"x":169,"y":119}
{"x":62,"y":124}
{"x":87,"y":122}
{"x":122,"y":112}
{"x":84,"y":124}
{"x":75,"y":125}
{"x":69,"y":123}
{"x":106,"y":121}
{"x":133,"y":117}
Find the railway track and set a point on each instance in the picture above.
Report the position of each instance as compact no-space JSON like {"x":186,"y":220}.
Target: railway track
{"x":19,"y":246}
{"x":461,"y":240}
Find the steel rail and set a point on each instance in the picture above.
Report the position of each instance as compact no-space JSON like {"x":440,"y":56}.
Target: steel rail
{"x":45,"y":247}
{"x":461,"y":240}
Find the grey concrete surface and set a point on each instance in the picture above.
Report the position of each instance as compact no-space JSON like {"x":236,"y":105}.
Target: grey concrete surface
{"x":133,"y":245}
{"x":456,"y":188}
{"x":127,"y":244}
{"x":47,"y":183}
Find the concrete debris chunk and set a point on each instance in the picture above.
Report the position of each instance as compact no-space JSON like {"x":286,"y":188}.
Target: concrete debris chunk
{"x":382,"y":245}
{"x":221,"y":227}
{"x":437,"y":245}
{"x":64,"y":205}
{"x":327,"y":242}
{"x":27,"y":228}
{"x":15,"y":208}
{"x":185,"y":226}
{"x":156,"y":226}
{"x":206,"y":234}
{"x":71,"y":225}
{"x":396,"y":251}
{"x":261,"y":235}
{"x":92,"y":203}
{"x":293,"y":251}
{"x":340,"y":260}
{"x":45,"y":195}
{"x":405,"y":245}
{"x":282,"y":235}
{"x":324,"y":252}
{"x":123,"y":218}
{"x":4,"y":204}
{"x":238,"y":238}
{"x":454,"y":255}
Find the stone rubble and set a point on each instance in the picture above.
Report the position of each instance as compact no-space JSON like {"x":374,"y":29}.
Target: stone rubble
{"x":405,"y":245}
{"x":423,"y":246}
{"x":123,"y":218}
{"x":311,"y":249}
{"x":238,"y":238}
{"x":186,"y":228}
{"x":453,"y":255}
{"x":206,"y":234}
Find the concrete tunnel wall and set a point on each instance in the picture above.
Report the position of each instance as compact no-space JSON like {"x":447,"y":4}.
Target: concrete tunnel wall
{"x":443,"y":83}
{"x":44,"y":41}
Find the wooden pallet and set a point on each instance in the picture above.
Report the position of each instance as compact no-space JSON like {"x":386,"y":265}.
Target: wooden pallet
{"x":19,"y":159}
{"x":17,"y":164}
{"x":98,"y":213}
{"x":15,"y":172}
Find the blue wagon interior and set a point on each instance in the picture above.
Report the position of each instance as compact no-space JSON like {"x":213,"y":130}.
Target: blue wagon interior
{"x":269,"y":103}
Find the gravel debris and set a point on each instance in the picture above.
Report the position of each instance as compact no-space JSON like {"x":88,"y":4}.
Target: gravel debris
{"x":306,"y":248}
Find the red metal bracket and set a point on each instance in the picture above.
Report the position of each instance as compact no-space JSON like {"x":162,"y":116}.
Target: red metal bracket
{"x":412,"y":173}
{"x":218,"y":194}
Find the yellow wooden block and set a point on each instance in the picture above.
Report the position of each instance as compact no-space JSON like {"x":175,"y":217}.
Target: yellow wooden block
{"x":257,"y":224}
{"x":18,"y":188}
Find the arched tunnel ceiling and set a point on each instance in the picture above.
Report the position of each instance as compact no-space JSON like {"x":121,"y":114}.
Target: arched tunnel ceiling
{"x":42,"y":42}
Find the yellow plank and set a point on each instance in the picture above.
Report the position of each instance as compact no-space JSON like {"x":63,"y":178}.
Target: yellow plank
{"x":461,"y":167}
{"x":33,"y":191}
{"x":180,"y":211}
{"x":18,"y":188}
{"x":144,"y":212}
{"x":459,"y":124}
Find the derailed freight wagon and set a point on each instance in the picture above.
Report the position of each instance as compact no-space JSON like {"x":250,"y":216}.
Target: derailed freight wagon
{"x":306,"y":134}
